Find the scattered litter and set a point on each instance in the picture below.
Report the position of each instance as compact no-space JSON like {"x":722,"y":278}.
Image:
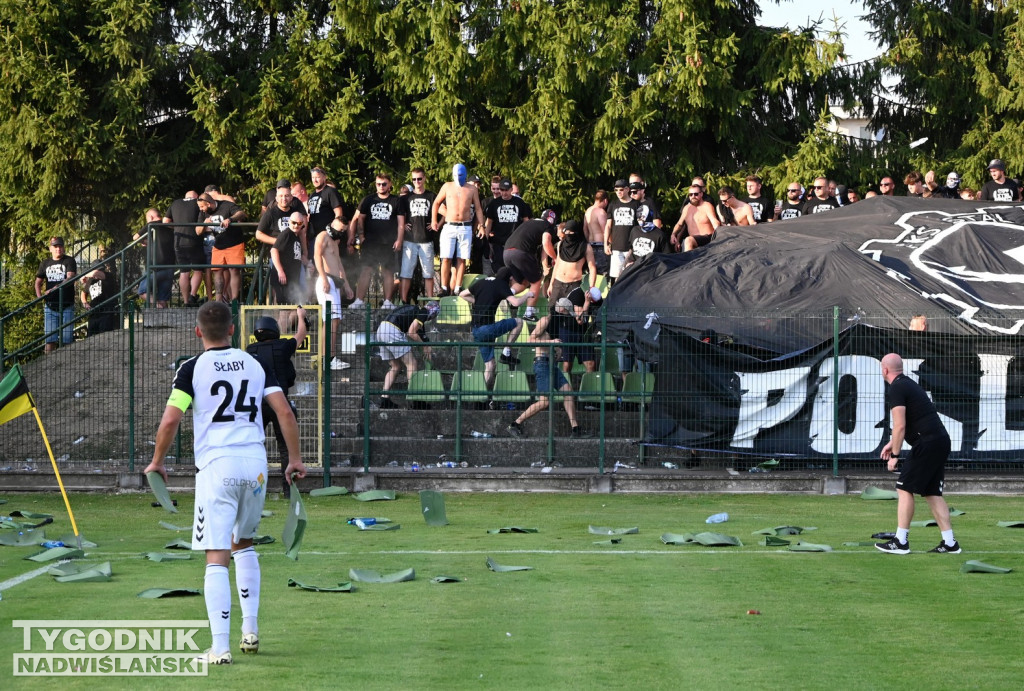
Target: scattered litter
{"x":501,"y":568}
{"x":478,"y":435}
{"x":670,"y":465}
{"x":883,"y":536}
{"x":802,"y":546}
{"x":79,"y":440}
{"x":540,"y":464}
{"x":717,"y":518}
{"x":626,"y":466}
{"x":446,"y":579}
{"x":678,"y":539}
{"x":732,"y":471}
{"x":512,"y":529}
{"x":371,"y":576}
{"x":392,"y":464}
{"x":872,"y":492}
{"x":601,"y":530}
{"x":975,"y":566}
{"x":773,"y":541}
{"x":546,"y":469}
{"x":154,"y":593}
{"x":753,"y":611}
{"x":345,"y":587}
{"x":79,"y":394}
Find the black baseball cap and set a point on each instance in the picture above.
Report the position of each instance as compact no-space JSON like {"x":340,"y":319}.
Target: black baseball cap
{"x":637,"y":185}
{"x":505,"y":184}
{"x":284,"y":183}
{"x":621,"y":183}
{"x":473,"y":178}
{"x":56,"y":241}
{"x":997,"y":164}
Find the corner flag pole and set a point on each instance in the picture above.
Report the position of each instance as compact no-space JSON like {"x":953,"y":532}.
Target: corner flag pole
{"x":56,"y":472}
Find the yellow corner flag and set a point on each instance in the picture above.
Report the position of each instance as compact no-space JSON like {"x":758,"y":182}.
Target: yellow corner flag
{"x":16,"y":400}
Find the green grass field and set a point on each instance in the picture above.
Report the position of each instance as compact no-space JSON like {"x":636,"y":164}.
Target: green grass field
{"x":639,"y":614}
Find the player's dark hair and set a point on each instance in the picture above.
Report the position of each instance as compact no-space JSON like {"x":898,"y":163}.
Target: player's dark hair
{"x":214,"y":321}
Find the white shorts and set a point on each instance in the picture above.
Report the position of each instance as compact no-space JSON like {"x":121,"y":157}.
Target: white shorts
{"x":229,"y":500}
{"x":423,"y":252}
{"x":396,"y":341}
{"x":618,"y":263}
{"x":334,"y":295}
{"x":456,"y":238}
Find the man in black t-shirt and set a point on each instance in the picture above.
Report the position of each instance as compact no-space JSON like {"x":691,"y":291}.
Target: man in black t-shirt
{"x":484,"y":296}
{"x":644,"y":241}
{"x":521,"y":250}
{"x":271,"y":196}
{"x":915,"y":421}
{"x":59,"y":303}
{"x":395,"y":331}
{"x":375,"y":224}
{"x":821,"y":201}
{"x":761,"y":204}
{"x":324,"y":205}
{"x":1000,"y":188}
{"x":621,"y":219}
{"x":228,"y":246}
{"x":503,"y":216}
{"x":288,"y":263}
{"x":792,"y":205}
{"x":418,"y":241}
{"x":188,"y":247}
{"x":99,"y":292}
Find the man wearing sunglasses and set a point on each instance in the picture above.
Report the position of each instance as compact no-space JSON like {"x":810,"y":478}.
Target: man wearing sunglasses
{"x":375,"y":223}
{"x":792,"y":206}
{"x":887,"y":188}
{"x":418,"y":243}
{"x":697,"y":222}
{"x":821,"y":201}
{"x":621,"y":219}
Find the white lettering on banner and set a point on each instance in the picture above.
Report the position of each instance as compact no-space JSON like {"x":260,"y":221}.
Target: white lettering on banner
{"x":869,"y":412}
{"x":992,"y":432}
{"x":755,"y":411}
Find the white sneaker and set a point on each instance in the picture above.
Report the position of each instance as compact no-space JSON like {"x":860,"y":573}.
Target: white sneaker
{"x":213,"y":658}
{"x":387,"y":305}
{"x":356,"y":304}
{"x":250,"y":643}
{"x":337,"y":364}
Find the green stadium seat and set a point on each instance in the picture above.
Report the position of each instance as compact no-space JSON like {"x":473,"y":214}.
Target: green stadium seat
{"x":637,"y":386}
{"x":590,"y":387}
{"x":470,"y":279}
{"x":454,"y":311}
{"x":474,"y":388}
{"x":511,"y":387}
{"x":426,"y":386}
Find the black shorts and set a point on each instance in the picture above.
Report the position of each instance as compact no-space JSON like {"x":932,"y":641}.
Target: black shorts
{"x":702,"y":240}
{"x":186,"y":253}
{"x":925,"y":468}
{"x":523,"y":265}
{"x":602,"y":261}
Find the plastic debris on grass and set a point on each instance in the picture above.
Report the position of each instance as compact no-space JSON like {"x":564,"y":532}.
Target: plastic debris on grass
{"x":345,"y":587}
{"x":371,"y":576}
{"x":502,"y":568}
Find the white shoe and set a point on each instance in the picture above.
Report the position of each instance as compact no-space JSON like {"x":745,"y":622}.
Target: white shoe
{"x":356,"y":304}
{"x":250,"y":643}
{"x":213,"y":658}
{"x":337,"y":364}
{"x":387,"y":305}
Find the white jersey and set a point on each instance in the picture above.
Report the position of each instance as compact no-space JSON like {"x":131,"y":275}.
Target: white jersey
{"x":226,"y":387}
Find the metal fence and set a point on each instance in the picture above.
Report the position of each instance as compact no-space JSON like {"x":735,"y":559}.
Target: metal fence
{"x":702,"y":399}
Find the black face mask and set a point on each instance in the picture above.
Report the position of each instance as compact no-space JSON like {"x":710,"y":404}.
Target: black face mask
{"x":335,"y":234}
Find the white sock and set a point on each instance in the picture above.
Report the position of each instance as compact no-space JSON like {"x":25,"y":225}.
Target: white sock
{"x":247,"y":581}
{"x":506,"y":351}
{"x":901,"y":535}
{"x":947,"y":537}
{"x":217,"y":592}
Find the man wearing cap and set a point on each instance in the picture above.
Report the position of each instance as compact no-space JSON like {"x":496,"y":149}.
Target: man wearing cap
{"x":646,"y":209}
{"x":549,"y":378}
{"x":58,"y":303}
{"x":462,"y":213}
{"x":520,"y":256}
{"x":229,"y":245}
{"x":375,"y":222}
{"x":418,"y":243}
{"x":271,"y":196}
{"x":621,"y":219}
{"x":761,"y":205}
{"x":697,"y":222}
{"x":395,"y":331}
{"x":1000,"y":188}
{"x":503,"y":215}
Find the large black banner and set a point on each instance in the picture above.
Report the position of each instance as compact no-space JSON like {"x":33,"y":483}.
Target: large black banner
{"x":719,"y":398}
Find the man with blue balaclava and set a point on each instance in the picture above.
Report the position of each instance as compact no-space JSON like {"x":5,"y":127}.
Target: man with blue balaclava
{"x":462,"y":213}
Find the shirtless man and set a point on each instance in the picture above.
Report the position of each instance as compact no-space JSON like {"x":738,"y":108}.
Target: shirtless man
{"x":594,"y":220}
{"x":698,"y":219}
{"x":572,"y":254}
{"x":741,"y":213}
{"x":331,"y":282}
{"x":463,"y":212}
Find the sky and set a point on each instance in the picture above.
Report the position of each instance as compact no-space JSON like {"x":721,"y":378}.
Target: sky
{"x":797,"y":13}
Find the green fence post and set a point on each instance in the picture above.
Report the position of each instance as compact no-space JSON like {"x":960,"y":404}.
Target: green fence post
{"x":458,"y":403}
{"x":604,"y":368}
{"x":131,"y":389}
{"x":366,"y":391}
{"x":325,"y":367}
{"x":551,"y":401}
{"x":835,"y":391}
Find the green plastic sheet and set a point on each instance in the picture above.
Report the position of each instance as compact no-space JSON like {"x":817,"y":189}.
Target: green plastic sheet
{"x":501,"y":568}
{"x":376,"y":495}
{"x":802,"y":546}
{"x":974,"y":566}
{"x":30,"y":514}
{"x":263,"y":540}
{"x":294,"y":526}
{"x":678,"y":538}
{"x":176,"y":528}
{"x":446,"y":579}
{"x":328,"y":491}
{"x":608,"y":542}
{"x":154,"y":593}
{"x":432,"y":506}
{"x":923,"y":524}
{"x":371,"y":576}
{"x":57,"y":553}
{"x":159,"y":487}
{"x":29,"y":539}
{"x":378,"y":526}
{"x":872,"y":492}
{"x":345,"y":587}
{"x":83,"y":573}
{"x":1010,"y":524}
{"x":179,"y":544}
{"x":774,"y":541}
{"x":168,"y":556}
{"x":71,"y":540}
{"x":602,"y":530}
{"x":784,"y":530}
{"x":717,"y":540}
{"x":512,"y":529}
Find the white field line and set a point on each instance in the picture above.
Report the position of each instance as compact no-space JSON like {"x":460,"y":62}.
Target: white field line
{"x":18,"y":580}
{"x":610,"y":551}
